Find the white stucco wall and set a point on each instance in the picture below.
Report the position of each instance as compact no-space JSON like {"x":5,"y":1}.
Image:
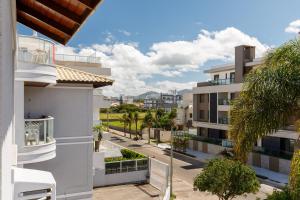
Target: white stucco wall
{"x":72,"y":109}
{"x":7,"y":66}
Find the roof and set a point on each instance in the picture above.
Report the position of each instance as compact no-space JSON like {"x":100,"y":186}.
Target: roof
{"x":69,"y":75}
{"x":56,"y":19}
{"x":231,"y":66}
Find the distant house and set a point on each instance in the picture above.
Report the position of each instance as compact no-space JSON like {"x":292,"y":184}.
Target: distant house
{"x":165,"y":101}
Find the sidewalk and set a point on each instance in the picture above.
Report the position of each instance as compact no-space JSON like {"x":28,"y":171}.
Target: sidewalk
{"x":274,"y":178}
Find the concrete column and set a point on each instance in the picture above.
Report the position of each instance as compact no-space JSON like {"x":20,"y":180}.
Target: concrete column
{"x":259,"y":142}
{"x":7,"y":64}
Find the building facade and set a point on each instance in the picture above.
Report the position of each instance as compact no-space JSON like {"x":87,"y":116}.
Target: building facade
{"x":165,"y":101}
{"x":33,"y":91}
{"x":184,"y":117}
{"x":211,"y":108}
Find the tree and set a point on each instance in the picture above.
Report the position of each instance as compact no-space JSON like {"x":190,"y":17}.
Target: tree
{"x":148,"y":122}
{"x":98,"y":129}
{"x":294,"y":181}
{"x":125,"y":122}
{"x":136,"y":120}
{"x":130,"y":120}
{"x":269,"y":98}
{"x":227,"y":179}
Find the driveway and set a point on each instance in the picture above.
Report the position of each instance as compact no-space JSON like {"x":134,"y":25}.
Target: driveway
{"x":126,"y":192}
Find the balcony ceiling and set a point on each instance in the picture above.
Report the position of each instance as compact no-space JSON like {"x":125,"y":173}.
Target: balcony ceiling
{"x":56,"y":19}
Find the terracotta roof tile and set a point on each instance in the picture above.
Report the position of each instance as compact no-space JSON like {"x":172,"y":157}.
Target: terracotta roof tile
{"x":69,"y":75}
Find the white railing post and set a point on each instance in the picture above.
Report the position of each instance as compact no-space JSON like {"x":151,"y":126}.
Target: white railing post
{"x":136,"y":165}
{"x":121,"y":166}
{"x":45,"y":131}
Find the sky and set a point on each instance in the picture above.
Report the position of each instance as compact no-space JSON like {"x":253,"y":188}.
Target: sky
{"x":162,"y":45}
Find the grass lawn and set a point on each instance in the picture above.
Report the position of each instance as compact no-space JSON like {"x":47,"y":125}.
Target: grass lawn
{"x":121,"y":125}
{"x":103,"y":116}
{"x":116,"y":119}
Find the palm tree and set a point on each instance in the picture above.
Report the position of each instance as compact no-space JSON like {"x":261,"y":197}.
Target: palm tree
{"x":125,"y":122}
{"x":136,"y":120}
{"x":130,"y":120}
{"x":269,"y":98}
{"x":148,"y":122}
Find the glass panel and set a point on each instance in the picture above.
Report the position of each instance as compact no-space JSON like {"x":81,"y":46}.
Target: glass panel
{"x":38,"y":131}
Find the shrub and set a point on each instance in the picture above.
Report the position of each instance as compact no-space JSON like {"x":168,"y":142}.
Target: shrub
{"x":280,"y":195}
{"x":227,"y":179}
{"x":126,"y":155}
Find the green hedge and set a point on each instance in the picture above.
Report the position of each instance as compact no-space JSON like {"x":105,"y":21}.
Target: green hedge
{"x":126,"y":155}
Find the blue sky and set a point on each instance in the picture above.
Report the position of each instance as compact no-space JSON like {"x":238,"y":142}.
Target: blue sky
{"x":151,"y":29}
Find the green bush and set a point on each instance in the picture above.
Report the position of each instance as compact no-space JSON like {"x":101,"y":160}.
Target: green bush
{"x":126,"y":155}
{"x":280,"y":195}
{"x":227,"y":179}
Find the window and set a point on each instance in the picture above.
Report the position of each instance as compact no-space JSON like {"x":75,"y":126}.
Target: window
{"x":232,"y":96}
{"x":202,"y":132}
{"x":202,"y":98}
{"x":216,"y":77}
{"x":201,"y":113}
{"x":232,"y":75}
{"x":191,"y":115}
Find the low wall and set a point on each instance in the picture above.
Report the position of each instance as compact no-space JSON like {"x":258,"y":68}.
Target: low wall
{"x":255,"y":159}
{"x":102,"y":179}
{"x":269,"y":162}
{"x":165,"y":136}
{"x":205,"y":147}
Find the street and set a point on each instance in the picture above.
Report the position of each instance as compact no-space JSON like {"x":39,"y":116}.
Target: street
{"x":185,"y":168}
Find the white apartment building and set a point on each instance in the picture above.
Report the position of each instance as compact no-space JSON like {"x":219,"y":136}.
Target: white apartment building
{"x":45,"y":110}
{"x":211,"y":107}
{"x":91,"y":64}
{"x":184,"y":115}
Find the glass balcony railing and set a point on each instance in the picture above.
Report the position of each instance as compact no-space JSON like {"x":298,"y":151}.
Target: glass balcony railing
{"x":223,"y":120}
{"x":224,"y":101}
{"x":77,"y":58}
{"x":227,"y":143}
{"x":34,"y":56}
{"x":38,"y":131}
{"x":222,"y":81}
{"x":33,"y":49}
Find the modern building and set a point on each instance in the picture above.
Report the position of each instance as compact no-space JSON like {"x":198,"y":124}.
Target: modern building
{"x":184,"y":116}
{"x":164,"y":101}
{"x":126,"y":99}
{"x":45,"y":109}
{"x":211,"y":107}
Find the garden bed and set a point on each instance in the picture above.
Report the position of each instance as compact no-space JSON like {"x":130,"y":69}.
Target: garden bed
{"x":126,"y":155}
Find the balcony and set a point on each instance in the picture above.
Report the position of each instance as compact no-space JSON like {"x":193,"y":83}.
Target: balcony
{"x":223,"y":120}
{"x":39,"y":144}
{"x":222,"y":81}
{"x":223,"y":101}
{"x":35,"y":61}
{"x":77,"y":60}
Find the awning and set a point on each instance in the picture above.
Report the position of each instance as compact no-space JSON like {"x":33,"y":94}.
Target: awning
{"x":56,"y":19}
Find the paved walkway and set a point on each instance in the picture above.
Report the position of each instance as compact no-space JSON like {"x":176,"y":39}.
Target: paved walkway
{"x":124,"y":192}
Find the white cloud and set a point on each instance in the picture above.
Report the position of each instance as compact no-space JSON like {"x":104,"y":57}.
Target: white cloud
{"x":126,"y":33}
{"x":294,"y":27}
{"x":130,"y":67}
